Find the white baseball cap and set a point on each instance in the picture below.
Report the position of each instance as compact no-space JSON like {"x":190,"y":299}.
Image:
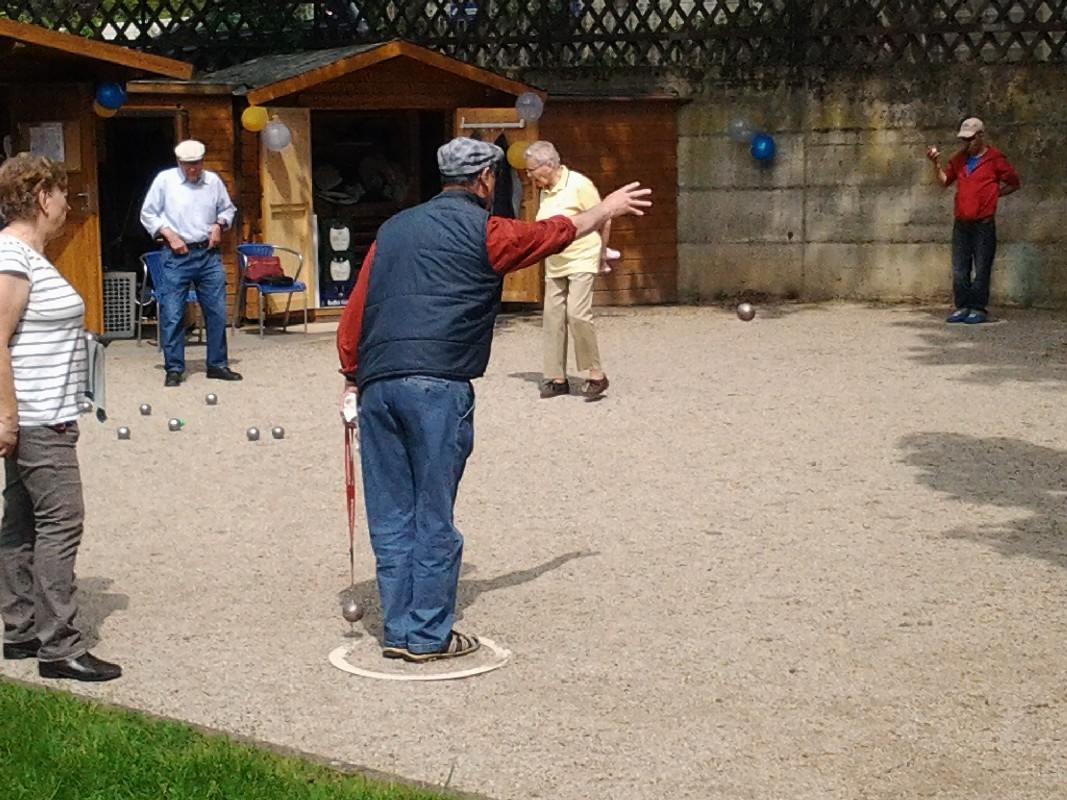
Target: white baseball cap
{"x":970,"y":127}
{"x":190,"y":150}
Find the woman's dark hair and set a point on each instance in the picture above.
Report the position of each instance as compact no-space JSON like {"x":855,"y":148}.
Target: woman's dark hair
{"x":22,"y":177}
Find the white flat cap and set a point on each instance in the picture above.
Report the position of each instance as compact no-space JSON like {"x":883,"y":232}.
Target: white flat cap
{"x":190,"y":150}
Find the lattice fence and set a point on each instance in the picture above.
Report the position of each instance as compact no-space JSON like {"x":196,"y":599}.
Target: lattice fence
{"x":730,"y":35}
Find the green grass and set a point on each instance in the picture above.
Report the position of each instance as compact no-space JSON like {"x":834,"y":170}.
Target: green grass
{"x":56,"y":746}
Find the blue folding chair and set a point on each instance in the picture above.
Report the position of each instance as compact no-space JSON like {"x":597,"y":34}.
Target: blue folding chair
{"x":151,"y":264}
{"x":265,"y":289}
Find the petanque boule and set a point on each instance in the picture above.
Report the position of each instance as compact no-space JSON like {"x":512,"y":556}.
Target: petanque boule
{"x":278,"y":432}
{"x":745,"y":312}
{"x":351,"y":610}
{"x":145,"y":409}
{"x":252,"y":434}
{"x":85,"y":406}
{"x":211,"y":399}
{"x":124,"y":433}
{"x":175,"y":424}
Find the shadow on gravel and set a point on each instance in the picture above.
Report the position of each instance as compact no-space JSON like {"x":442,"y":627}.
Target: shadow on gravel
{"x":1002,"y":472}
{"x":96,"y":604}
{"x":469,"y":589}
{"x":1021,"y":346}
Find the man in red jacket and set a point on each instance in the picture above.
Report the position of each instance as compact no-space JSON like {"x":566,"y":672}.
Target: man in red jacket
{"x":982,"y":175}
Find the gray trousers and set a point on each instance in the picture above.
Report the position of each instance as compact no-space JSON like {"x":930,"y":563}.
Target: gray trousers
{"x":39,"y":538}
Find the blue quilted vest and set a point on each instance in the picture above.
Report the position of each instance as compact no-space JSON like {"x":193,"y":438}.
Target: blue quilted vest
{"x":432,"y":297}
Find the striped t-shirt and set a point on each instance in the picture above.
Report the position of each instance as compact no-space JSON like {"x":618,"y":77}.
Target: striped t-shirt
{"x":48,"y":356}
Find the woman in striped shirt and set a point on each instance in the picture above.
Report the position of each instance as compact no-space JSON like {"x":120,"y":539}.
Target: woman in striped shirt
{"x":42,"y":377}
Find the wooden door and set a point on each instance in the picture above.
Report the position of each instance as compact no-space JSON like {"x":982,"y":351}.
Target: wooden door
{"x":60,"y":121}
{"x":526,"y":285}
{"x":287,"y":202}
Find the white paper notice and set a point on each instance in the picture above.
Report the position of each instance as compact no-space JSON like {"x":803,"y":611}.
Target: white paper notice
{"x":46,"y":139}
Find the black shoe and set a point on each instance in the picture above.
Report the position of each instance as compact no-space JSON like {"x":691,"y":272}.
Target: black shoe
{"x":14,"y":651}
{"x":173,"y":379}
{"x":223,"y":374}
{"x":85,"y":667}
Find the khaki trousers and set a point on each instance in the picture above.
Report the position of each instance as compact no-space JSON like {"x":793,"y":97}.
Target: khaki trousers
{"x":569,"y":309}
{"x":39,"y":538}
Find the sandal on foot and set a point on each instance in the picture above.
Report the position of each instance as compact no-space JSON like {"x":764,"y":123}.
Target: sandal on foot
{"x":554,"y":389}
{"x":394,"y":652}
{"x":458,"y":644}
{"x":594,"y":388}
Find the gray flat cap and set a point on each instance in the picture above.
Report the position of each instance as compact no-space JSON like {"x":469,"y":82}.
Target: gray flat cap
{"x":462,"y":157}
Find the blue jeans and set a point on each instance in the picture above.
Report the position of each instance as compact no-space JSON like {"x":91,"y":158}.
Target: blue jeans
{"x":203,"y":270}
{"x":974,"y":245}
{"x":416,"y":434}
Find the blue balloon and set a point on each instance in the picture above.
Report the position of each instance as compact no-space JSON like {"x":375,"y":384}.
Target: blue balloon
{"x":762,"y":147}
{"x":110,"y":95}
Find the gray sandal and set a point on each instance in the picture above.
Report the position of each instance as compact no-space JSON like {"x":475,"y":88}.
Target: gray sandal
{"x":458,"y":644}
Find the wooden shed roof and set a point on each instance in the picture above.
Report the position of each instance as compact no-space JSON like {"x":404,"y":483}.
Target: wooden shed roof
{"x":267,"y":78}
{"x":32,"y":54}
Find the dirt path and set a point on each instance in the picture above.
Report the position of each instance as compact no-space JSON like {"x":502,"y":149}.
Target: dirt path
{"x":816,"y":556}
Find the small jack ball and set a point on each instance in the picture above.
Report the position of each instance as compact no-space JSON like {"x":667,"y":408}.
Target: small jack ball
{"x":278,"y":432}
{"x":745,"y":311}
{"x":174,"y":424}
{"x":253,"y":434}
{"x":145,"y":409}
{"x":352,"y":611}
{"x":124,"y":433}
{"x":211,"y":399}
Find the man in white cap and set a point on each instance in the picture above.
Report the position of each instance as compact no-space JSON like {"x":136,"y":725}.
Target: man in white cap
{"x":189,"y":208}
{"x":982,"y":175}
{"x":416,"y":330}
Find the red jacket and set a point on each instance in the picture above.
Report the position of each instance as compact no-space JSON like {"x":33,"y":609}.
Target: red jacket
{"x":978,"y":192}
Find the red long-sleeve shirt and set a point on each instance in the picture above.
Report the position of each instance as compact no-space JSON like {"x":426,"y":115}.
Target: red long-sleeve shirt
{"x":977,"y":193}
{"x":511,"y":244}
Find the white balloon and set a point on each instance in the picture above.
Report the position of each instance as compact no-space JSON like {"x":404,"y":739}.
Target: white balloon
{"x":276,"y":135}
{"x":530,"y":106}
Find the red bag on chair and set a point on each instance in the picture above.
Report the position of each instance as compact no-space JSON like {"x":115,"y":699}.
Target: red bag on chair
{"x":266,"y":269}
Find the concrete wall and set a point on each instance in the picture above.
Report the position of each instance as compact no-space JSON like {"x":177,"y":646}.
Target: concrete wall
{"x":849,"y":207}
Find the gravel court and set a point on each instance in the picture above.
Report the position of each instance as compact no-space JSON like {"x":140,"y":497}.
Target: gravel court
{"x":816,"y":555}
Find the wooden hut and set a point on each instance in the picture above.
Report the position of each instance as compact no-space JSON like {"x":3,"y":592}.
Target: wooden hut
{"x":46,"y":92}
{"x":365,"y":122}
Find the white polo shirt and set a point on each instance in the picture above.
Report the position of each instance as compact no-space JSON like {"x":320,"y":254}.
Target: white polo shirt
{"x":572,"y":194}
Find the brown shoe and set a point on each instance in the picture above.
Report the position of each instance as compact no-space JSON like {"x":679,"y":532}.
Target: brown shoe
{"x":554,"y":389}
{"x":594,"y":388}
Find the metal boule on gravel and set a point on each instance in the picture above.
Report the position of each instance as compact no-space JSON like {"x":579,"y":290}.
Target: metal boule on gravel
{"x":351,"y":610}
{"x":278,"y":432}
{"x":145,"y":409}
{"x":745,"y":312}
{"x":252,"y":434}
{"x":175,"y":424}
{"x":84,"y":406}
{"x":211,"y":399}
{"x":124,"y":433}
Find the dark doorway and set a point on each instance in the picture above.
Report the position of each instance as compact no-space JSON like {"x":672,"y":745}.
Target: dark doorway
{"x":135,"y":149}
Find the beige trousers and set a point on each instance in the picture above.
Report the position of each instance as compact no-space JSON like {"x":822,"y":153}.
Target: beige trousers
{"x":569,"y":308}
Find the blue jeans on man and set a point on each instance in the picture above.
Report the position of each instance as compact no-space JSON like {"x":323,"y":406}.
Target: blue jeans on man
{"x":202,"y":269}
{"x":416,"y":434}
{"x":974,"y":245}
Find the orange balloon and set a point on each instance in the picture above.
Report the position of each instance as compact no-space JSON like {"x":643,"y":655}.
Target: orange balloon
{"x":254,"y":118}
{"x":102,"y":111}
{"x":516,"y":154}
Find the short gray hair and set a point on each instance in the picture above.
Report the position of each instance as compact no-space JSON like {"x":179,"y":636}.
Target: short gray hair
{"x":543,"y":153}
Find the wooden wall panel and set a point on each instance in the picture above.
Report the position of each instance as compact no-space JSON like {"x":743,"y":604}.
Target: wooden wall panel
{"x":614,"y":142}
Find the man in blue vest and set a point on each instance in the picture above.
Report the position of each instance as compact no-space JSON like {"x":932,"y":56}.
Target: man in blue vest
{"x":415,"y":332}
